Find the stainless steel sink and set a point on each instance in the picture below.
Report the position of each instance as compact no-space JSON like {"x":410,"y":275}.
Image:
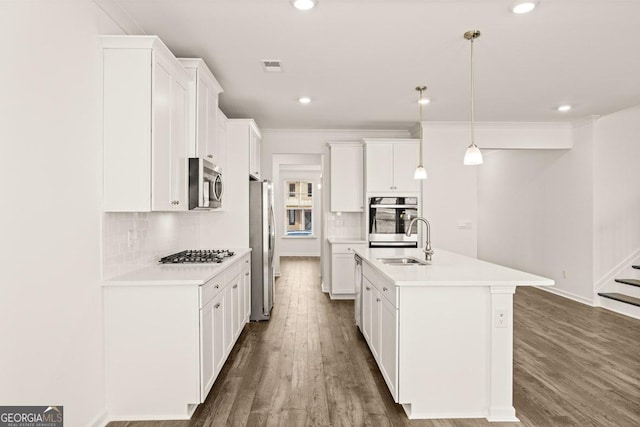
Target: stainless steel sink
{"x":403,"y":261}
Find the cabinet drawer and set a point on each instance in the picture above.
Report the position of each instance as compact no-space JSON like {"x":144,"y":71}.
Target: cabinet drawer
{"x":346,"y":248}
{"x":381,"y":283}
{"x":232,"y":272}
{"x":209,"y":290}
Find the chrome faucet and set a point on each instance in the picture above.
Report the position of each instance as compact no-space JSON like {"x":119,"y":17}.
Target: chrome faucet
{"x":428,"y":252}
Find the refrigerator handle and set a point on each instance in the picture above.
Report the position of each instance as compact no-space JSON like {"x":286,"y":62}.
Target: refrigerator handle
{"x":272,"y":233}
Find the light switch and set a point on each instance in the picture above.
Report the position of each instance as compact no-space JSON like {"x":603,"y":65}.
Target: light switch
{"x":465,"y":225}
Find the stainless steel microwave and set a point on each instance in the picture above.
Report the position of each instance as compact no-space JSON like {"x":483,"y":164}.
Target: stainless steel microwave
{"x":205,"y":184}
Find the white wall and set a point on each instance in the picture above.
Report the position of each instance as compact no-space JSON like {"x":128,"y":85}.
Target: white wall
{"x":535,"y":212}
{"x":616,"y":190}
{"x":450,"y":191}
{"x":299,"y":246}
{"x":450,"y":194}
{"x":51,"y":351}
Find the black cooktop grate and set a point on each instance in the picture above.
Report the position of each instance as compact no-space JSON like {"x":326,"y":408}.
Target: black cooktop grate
{"x":198,"y":256}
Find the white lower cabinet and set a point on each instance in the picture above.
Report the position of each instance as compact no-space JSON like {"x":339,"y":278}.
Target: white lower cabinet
{"x":388,"y":354}
{"x":246,"y":277}
{"x":167,"y":343}
{"x":342,"y":267}
{"x":380,"y":325}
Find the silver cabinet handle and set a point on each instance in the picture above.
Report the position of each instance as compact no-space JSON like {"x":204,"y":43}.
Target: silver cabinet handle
{"x":217,"y":286}
{"x":367,"y":288}
{"x":217,"y":305}
{"x":377,"y":299}
{"x":246,"y":274}
{"x":175,"y":202}
{"x":210,"y":156}
{"x":235,"y":286}
{"x":384,"y":289}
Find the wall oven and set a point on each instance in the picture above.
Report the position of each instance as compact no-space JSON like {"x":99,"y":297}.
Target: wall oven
{"x":205,"y":184}
{"x":389,"y":218}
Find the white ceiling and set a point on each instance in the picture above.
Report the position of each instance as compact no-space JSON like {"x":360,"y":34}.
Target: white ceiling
{"x":360,"y":60}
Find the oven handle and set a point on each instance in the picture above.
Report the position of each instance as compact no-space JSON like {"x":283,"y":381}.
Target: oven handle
{"x":406,"y":244}
{"x":394,"y":206}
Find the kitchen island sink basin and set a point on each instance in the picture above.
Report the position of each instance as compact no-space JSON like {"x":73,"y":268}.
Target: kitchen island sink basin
{"x":403,"y":261}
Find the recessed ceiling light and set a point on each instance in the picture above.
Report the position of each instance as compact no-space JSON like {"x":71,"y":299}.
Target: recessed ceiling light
{"x":424,"y":101}
{"x":304,"y":4}
{"x":564,"y":108}
{"x":523,"y":7}
{"x":304,"y":100}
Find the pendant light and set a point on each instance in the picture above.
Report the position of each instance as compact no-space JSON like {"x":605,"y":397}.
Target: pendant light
{"x":421,"y":172}
{"x":473,"y":156}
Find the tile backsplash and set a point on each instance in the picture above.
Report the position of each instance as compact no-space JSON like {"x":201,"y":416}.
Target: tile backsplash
{"x":135,"y":239}
{"x":347,"y":224}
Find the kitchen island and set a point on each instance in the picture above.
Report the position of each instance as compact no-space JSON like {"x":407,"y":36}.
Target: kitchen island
{"x":442,"y":332}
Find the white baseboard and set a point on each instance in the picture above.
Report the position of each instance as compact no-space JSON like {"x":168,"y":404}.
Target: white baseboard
{"x":620,"y":307}
{"x":101,"y":420}
{"x":566,"y":294}
{"x":342,"y":296}
{"x":298,"y":254}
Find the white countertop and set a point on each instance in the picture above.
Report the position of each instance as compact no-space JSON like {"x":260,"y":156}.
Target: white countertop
{"x":447,"y":269}
{"x":347,"y":240}
{"x":175,"y":274}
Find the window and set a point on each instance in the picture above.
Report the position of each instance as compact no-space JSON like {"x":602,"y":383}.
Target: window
{"x":299,"y":208}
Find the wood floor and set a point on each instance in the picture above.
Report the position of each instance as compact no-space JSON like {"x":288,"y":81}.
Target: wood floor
{"x":309,"y":365}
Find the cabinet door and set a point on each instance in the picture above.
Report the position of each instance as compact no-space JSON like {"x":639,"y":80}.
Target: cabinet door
{"x":342,"y":267}
{"x":169,"y":146}
{"x":220,"y":150}
{"x":201,"y":116}
{"x":246,"y":274}
{"x":212,"y":132}
{"x":376,"y":307}
{"x":179,"y":144}
{"x":161,"y":136}
{"x":229,"y":314}
{"x":347,"y":178}
{"x":207,"y":364}
{"x":254,"y":153}
{"x":389,"y":346}
{"x":237,"y":302}
{"x":379,"y":167}
{"x":219,"y":340}
{"x":405,"y":160}
{"x":367,"y":293}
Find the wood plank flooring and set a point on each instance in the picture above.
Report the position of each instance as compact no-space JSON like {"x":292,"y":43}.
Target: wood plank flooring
{"x":309,"y":365}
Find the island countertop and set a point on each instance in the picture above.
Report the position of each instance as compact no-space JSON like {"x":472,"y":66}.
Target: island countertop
{"x":447,"y":269}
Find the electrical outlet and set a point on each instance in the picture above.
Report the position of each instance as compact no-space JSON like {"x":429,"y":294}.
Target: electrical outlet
{"x":500,"y":318}
{"x":132,"y":238}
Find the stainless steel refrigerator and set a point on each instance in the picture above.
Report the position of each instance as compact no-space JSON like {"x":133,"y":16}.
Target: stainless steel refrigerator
{"x":262,"y":238}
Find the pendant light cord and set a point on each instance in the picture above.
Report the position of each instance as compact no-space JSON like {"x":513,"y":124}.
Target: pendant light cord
{"x":420,"y":102}
{"x":473,"y":142}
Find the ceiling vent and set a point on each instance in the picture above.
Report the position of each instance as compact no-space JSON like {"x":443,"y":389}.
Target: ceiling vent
{"x":272,"y":65}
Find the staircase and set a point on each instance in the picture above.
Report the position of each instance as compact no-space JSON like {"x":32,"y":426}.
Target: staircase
{"x":627,"y":296}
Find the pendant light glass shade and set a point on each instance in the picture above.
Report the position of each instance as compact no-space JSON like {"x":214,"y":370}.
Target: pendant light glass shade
{"x":421,"y":172}
{"x":473,"y":156}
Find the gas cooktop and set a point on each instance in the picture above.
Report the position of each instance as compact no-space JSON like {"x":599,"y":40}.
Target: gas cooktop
{"x":198,"y":256}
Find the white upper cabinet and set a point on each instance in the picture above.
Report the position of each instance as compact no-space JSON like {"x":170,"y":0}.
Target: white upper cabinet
{"x":245,"y":133}
{"x":255,"y":139}
{"x":203,"y":111}
{"x":221,"y":140}
{"x":390,"y":164}
{"x":347,"y":177}
{"x":146,"y":102}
